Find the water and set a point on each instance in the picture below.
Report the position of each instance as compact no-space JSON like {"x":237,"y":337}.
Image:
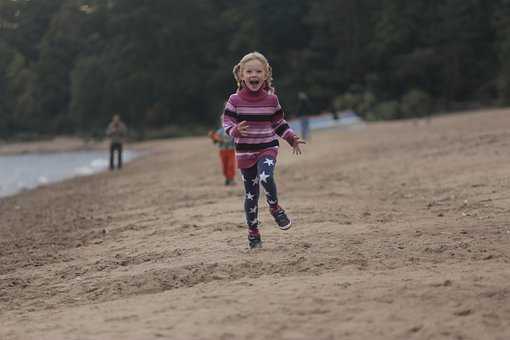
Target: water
{"x":324,"y":121}
{"x":23,"y":172}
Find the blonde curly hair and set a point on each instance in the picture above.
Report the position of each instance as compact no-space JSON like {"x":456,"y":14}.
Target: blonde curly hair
{"x":238,"y":69}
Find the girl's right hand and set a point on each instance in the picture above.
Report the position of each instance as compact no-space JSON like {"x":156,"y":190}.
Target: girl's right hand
{"x":242,"y":128}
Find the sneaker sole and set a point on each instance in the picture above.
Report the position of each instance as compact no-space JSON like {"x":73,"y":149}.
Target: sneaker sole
{"x":286,"y":227}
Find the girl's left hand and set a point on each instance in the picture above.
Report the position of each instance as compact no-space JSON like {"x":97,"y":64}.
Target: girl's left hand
{"x":296,"y":150}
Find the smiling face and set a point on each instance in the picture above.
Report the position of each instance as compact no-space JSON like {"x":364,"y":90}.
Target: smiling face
{"x":253,"y":74}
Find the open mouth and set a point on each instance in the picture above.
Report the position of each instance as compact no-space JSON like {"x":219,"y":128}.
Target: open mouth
{"x":254,"y":82}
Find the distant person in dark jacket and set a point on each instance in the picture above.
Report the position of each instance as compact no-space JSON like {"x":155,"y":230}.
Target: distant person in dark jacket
{"x":303,"y":112}
{"x":117,"y":132}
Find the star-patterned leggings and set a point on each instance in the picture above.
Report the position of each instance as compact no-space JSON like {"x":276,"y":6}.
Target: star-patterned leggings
{"x":262,"y":173}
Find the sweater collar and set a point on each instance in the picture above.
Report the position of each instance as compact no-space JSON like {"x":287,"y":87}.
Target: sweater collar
{"x":253,"y":95}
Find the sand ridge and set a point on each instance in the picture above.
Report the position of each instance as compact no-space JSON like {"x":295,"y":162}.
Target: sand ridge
{"x":401,"y":232}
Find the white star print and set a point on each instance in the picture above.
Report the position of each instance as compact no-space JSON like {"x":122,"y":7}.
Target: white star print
{"x":255,"y":181}
{"x":271,"y":202}
{"x":263,"y":176}
{"x":255,"y":221}
{"x":250,"y":196}
{"x":253,"y":210}
{"x":269,"y":162}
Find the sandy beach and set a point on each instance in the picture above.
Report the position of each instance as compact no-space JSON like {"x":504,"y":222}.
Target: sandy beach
{"x":401,"y":231}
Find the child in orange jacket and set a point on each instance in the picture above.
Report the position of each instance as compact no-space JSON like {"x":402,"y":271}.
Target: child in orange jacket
{"x":227,"y":154}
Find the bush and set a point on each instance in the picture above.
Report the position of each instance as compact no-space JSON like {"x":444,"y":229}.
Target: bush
{"x":385,"y":110}
{"x":416,"y":103}
{"x":361,"y":103}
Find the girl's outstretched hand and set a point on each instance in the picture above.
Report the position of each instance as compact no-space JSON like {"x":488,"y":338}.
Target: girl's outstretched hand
{"x":296,"y":150}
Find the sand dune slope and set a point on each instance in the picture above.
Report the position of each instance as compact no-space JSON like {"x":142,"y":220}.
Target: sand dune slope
{"x":401,"y":232}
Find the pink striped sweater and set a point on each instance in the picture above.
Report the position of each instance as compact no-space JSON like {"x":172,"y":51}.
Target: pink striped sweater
{"x":265,"y":118}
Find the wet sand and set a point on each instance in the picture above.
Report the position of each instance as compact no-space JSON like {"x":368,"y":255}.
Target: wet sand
{"x":401,"y":231}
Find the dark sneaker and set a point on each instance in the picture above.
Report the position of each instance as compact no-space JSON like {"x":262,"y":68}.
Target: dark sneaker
{"x":281,"y":218}
{"x":254,"y":240}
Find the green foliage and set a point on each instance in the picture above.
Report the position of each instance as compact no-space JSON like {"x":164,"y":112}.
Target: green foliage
{"x":385,"y":111}
{"x":416,"y":103}
{"x":502,"y":24}
{"x":361,"y":103}
{"x":67,"y":65}
{"x":86,"y":106}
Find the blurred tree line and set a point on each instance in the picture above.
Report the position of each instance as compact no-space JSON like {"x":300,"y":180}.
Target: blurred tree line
{"x":67,"y":65}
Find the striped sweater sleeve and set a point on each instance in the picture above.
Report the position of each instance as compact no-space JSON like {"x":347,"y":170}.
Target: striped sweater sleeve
{"x":280,"y":125}
{"x":230,"y":119}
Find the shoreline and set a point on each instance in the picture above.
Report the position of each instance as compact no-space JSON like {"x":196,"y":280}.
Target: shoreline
{"x":57,"y":144}
{"x":22,"y":172}
{"x":62,"y":145}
